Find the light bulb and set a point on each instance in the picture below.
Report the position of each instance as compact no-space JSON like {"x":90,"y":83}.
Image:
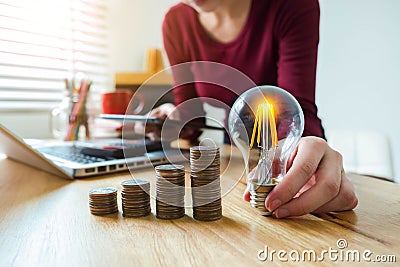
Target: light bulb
{"x":266,"y":124}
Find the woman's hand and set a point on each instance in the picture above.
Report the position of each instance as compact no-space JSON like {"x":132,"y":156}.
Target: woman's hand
{"x":315,"y":182}
{"x":155,"y":132}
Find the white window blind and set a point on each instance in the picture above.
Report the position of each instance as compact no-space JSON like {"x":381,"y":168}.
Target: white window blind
{"x":43,"y":42}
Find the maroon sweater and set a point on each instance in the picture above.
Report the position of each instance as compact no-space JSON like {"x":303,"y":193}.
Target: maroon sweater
{"x":277,"y":46}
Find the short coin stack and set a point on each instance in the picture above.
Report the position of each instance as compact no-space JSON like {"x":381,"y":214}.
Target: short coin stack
{"x":135,"y":198}
{"x":103,"y":201}
{"x":205,"y":183}
{"x":258,"y":194}
{"x":170,"y":191}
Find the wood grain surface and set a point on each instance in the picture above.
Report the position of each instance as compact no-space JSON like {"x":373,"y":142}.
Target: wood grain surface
{"x":45,"y":221}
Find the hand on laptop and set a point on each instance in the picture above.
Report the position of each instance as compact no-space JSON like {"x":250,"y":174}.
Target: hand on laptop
{"x":154,"y":131}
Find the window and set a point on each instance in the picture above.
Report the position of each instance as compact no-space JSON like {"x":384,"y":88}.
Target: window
{"x":43,"y":42}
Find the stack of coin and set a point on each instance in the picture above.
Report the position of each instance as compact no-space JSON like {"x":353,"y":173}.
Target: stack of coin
{"x":135,"y":198}
{"x":103,"y":201}
{"x":170,"y":191}
{"x":258,"y":194}
{"x":205,"y":183}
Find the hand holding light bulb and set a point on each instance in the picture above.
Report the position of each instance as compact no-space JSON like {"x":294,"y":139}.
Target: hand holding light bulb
{"x":315,"y":180}
{"x":320,"y":168}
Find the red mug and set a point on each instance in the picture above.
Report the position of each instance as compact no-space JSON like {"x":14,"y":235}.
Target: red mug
{"x":117,"y":102}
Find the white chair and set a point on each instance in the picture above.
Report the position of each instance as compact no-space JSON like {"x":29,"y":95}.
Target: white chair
{"x":364,"y":152}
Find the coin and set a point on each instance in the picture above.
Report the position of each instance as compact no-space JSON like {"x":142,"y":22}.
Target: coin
{"x":103,"y":201}
{"x":261,"y":188}
{"x":169,"y":167}
{"x":258,"y":194}
{"x":205,"y":183}
{"x":133,"y":183}
{"x":103,"y":191}
{"x":170,"y":191}
{"x":135,"y":198}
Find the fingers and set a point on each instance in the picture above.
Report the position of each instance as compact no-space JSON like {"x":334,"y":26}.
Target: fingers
{"x":315,"y":182}
{"x":345,"y":200}
{"x":165,"y":110}
{"x":159,"y":112}
{"x":291,"y":158}
{"x":156,"y":113}
{"x":246,"y":195}
{"x":328,"y":180}
{"x":309,"y":155}
{"x":153,"y":131}
{"x":174,"y":113}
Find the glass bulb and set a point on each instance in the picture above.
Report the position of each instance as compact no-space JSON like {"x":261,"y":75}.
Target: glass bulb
{"x":266,"y":124}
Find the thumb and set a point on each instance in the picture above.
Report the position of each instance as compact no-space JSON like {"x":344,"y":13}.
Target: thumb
{"x":246,"y":195}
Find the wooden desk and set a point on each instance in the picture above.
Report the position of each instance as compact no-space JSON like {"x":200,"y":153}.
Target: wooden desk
{"x":45,"y":221}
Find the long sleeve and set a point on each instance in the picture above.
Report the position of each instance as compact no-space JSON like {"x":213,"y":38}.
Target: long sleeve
{"x":278,"y":45}
{"x":185,"y":95}
{"x":298,"y":33}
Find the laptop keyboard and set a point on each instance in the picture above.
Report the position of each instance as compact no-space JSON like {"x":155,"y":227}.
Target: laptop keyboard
{"x":70,"y":153}
{"x":120,"y":150}
{"x":101,"y":152}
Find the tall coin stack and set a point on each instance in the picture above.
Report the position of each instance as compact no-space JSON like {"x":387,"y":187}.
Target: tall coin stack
{"x":103,"y":201}
{"x":135,"y":198}
{"x":170,"y":191}
{"x":205,"y":183}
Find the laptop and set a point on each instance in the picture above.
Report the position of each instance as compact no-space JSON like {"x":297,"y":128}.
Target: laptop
{"x":79,"y":159}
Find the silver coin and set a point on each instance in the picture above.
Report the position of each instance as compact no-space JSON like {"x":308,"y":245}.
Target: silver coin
{"x":135,"y":183}
{"x":103,"y":191}
{"x":167,"y":167}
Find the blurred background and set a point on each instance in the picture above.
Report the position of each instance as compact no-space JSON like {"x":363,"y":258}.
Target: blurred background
{"x":358,"y":76}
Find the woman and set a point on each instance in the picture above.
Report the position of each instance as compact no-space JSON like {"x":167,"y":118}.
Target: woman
{"x":274,"y":42}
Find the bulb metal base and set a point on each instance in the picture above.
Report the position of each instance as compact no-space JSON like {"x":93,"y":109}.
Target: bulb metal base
{"x":258,"y":194}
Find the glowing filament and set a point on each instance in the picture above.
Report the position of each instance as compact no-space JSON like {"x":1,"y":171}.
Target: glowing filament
{"x":265,"y":118}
